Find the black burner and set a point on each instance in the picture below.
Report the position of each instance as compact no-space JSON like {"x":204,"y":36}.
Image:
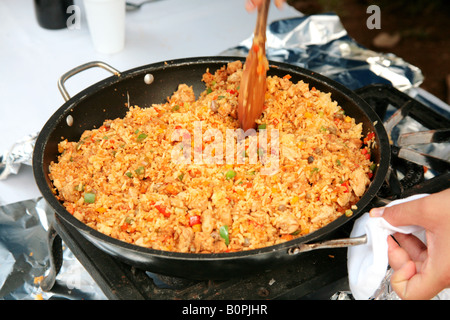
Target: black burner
{"x":317,"y":275}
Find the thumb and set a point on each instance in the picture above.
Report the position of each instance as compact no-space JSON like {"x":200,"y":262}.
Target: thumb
{"x":413,"y":212}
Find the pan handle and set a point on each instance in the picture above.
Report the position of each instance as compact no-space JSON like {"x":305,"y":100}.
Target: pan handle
{"x":328,"y":244}
{"x":337,"y":243}
{"x":79,"y":69}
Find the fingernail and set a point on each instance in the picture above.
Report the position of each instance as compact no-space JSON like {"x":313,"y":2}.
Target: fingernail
{"x":376,"y":212}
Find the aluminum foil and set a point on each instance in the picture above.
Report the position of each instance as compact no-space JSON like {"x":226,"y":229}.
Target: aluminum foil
{"x":319,"y":43}
{"x":20,"y":153}
{"x":24,"y":257}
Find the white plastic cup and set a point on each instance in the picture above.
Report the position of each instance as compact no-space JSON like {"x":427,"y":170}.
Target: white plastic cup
{"x":106,"y":21}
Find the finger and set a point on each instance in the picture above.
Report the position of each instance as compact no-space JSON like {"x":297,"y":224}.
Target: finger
{"x":407,"y":213}
{"x":251,"y":5}
{"x":426,"y":211}
{"x":400,"y":279}
{"x":413,"y":246}
{"x":397,"y":256}
{"x":279,"y":3}
{"x":404,"y":270}
{"x":410,"y":285}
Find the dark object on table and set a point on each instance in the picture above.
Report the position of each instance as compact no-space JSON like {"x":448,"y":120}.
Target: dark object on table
{"x":52,"y":14}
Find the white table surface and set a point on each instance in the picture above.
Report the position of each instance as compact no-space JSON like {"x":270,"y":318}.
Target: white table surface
{"x":32,"y":59}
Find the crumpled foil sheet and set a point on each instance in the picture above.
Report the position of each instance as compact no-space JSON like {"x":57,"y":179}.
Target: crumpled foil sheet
{"x":20,"y":153}
{"x":24,"y":257}
{"x":319,"y":43}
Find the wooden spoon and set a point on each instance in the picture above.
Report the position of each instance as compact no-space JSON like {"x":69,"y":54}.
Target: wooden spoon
{"x":253,"y":83}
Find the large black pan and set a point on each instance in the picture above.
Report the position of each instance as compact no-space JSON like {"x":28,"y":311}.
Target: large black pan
{"x":108,"y":98}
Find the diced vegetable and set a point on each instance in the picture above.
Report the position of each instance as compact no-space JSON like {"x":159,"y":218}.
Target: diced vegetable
{"x":101,"y":210}
{"x":345,"y":185}
{"x":193,"y":220}
{"x":162,"y":210}
{"x":89,"y":197}
{"x":141,"y":137}
{"x":79,"y":187}
{"x":369,"y":137}
{"x":223,"y":232}
{"x":140,"y":170}
{"x":230,"y":174}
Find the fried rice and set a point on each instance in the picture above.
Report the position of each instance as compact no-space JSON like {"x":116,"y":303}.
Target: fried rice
{"x":125,"y":179}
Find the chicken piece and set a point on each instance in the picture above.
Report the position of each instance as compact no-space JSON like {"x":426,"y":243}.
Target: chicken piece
{"x":69,"y":193}
{"x":344,"y":198}
{"x":324,"y":216}
{"x":234,"y":66}
{"x":358,"y":182}
{"x":184,"y":93}
{"x":202,"y":242}
{"x":354,"y":143}
{"x":224,"y":109}
{"x":184,"y":239}
{"x":177,"y":202}
{"x":224,"y":215}
{"x":208,"y":222}
{"x":198,"y":202}
{"x":333,"y":146}
{"x":287,"y":224}
{"x":235,"y":77}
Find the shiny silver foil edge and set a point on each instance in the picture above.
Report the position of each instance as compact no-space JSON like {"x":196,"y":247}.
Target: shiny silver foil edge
{"x":20,"y":153}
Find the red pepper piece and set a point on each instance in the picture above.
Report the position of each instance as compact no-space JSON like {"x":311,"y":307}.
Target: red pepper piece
{"x":193,"y":220}
{"x":162,"y":210}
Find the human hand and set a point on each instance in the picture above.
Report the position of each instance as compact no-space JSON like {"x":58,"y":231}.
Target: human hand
{"x":251,"y":5}
{"x":420,"y":271}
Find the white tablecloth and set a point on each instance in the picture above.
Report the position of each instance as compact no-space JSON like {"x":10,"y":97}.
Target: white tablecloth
{"x":32,"y":59}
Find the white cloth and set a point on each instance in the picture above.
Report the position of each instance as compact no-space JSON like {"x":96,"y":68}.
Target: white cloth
{"x":367,"y":264}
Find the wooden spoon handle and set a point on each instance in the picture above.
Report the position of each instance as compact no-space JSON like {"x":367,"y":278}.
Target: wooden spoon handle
{"x":253,"y":82}
{"x":261,"y":21}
